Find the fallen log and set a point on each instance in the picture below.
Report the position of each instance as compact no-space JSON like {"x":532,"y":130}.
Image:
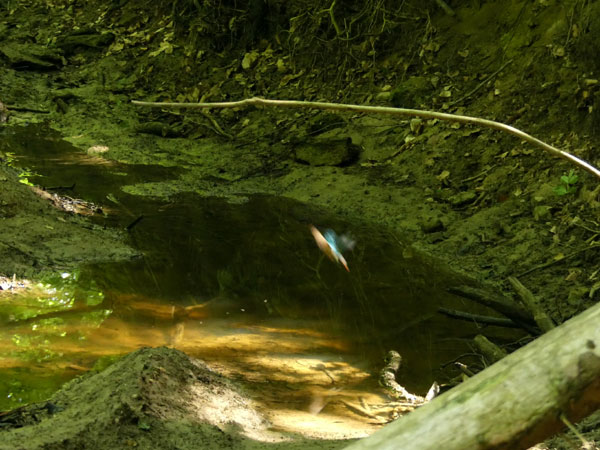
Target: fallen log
{"x":513,"y":404}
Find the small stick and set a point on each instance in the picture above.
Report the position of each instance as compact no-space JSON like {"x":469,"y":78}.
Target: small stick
{"x":61,"y":188}
{"x":584,"y":442}
{"x":542,"y":319}
{"x":491,"y":351}
{"x":134,"y":223}
{"x":480,"y":85}
{"x":382,"y":110}
{"x":464,"y":369}
{"x":217,"y":127}
{"x":459,"y":357}
{"x":442,"y":4}
{"x":556,"y":261}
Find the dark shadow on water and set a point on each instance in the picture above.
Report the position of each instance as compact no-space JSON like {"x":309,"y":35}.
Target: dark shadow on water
{"x":257,"y":261}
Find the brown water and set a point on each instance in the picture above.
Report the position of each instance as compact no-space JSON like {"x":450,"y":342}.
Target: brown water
{"x":242,"y":286}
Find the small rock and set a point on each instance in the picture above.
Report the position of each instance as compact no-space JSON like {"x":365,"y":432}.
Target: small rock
{"x":462,"y":198}
{"x":331,"y":152}
{"x":158,"y":129}
{"x":96,"y":149}
{"x":411,"y":93}
{"x":432,"y":225}
{"x":74,"y":42}
{"x":545,"y":193}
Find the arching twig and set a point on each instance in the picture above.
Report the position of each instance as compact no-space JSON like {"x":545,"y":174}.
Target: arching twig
{"x":254,"y":101}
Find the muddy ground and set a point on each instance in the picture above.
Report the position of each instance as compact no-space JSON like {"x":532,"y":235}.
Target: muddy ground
{"x":482,"y":201}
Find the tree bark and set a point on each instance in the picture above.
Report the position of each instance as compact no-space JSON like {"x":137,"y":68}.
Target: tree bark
{"x":514,"y":403}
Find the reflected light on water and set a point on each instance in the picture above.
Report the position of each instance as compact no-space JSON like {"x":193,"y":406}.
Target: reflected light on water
{"x":302,"y":379}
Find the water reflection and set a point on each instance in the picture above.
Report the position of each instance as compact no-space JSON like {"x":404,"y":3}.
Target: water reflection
{"x":244,"y":287}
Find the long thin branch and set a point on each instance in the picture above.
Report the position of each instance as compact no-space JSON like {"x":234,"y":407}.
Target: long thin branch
{"x":478,"y":318}
{"x":254,"y":101}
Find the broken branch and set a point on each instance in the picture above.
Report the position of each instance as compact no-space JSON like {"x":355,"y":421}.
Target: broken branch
{"x":542,"y":319}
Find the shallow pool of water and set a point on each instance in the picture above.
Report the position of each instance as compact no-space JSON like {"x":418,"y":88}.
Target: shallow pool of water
{"x":241,"y":285}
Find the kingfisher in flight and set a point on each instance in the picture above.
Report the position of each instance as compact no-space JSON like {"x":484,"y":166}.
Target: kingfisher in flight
{"x":333,"y":245}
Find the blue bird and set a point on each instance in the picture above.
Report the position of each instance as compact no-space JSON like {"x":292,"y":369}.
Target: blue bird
{"x":333,"y":245}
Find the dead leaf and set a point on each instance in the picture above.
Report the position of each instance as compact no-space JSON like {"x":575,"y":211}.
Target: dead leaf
{"x":573,"y":274}
{"x":249,"y":59}
{"x":443,"y":175}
